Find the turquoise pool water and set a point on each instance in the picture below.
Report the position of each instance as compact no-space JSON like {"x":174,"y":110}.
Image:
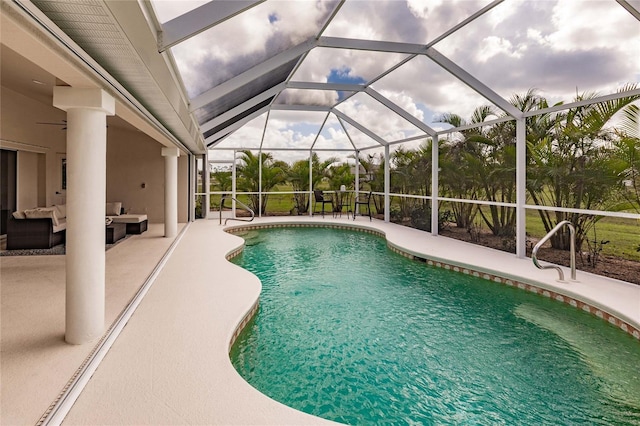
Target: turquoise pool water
{"x":350,"y":331}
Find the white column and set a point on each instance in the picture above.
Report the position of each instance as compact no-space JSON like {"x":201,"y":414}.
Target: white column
{"x":310,"y":183}
{"x":87,"y":111}
{"x":206,"y":185}
{"x":171,"y":191}
{"x":357,"y":186}
{"x":193,"y":178}
{"x":521,"y":188}
{"x":387,"y":183}
{"x":260,"y":182}
{"x":234,"y":175}
{"x":435,"y":168}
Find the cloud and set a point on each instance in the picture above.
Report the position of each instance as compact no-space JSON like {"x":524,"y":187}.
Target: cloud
{"x":556,"y":46}
{"x":307,"y":97}
{"x":552,"y":45}
{"x":244,"y":41}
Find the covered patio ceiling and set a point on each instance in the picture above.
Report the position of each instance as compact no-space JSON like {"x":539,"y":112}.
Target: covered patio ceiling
{"x":356,"y":75}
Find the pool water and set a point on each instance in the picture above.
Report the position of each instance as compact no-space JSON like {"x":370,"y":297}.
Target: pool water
{"x":349,"y":331}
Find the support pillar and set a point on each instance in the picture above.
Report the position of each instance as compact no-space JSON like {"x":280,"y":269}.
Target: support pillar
{"x":310,"y":183}
{"x":521,"y":188}
{"x":171,"y":191}
{"x":206,"y":185}
{"x":387,"y":184}
{"x":87,"y":111}
{"x":435,"y":168}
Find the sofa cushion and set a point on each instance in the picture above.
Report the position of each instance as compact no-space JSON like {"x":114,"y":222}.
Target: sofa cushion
{"x":61,"y":226}
{"x":61,"y":211}
{"x":42,"y":213}
{"x":113,"y":209}
{"x":129,"y":218}
{"x":19,"y":215}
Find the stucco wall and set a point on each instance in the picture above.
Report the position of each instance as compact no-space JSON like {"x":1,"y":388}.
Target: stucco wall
{"x":134,"y":160}
{"x":19,"y":131}
{"x":27,"y":180}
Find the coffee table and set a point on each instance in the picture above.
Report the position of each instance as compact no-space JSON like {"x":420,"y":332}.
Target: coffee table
{"x":115,"y":232}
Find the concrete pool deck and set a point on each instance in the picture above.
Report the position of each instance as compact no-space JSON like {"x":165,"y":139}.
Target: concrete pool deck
{"x":170,"y":364}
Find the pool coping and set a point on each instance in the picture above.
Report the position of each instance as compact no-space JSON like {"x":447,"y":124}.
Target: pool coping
{"x":566,"y":295}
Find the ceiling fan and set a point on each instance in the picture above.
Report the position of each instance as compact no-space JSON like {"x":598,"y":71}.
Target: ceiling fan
{"x":64,"y":123}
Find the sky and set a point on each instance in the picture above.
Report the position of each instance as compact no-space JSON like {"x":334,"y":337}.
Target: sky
{"x":559,"y":47}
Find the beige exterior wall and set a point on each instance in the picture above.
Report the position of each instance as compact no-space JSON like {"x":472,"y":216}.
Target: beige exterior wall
{"x":133,"y":158}
{"x":135,"y":174}
{"x":27,"y":180}
{"x":19,"y":131}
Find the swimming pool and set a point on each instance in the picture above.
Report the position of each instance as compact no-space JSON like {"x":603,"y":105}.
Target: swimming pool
{"x":349,"y":331}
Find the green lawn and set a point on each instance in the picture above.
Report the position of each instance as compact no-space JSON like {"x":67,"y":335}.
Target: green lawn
{"x":623,"y":235}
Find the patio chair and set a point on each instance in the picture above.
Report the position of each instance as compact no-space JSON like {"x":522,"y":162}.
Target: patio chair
{"x":361,"y":201}
{"x":320,"y":197}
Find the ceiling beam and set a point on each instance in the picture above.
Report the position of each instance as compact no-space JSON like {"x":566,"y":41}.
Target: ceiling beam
{"x":235,"y":126}
{"x":307,"y":108}
{"x":228,"y":115}
{"x":473,"y":82}
{"x":465,"y":22}
{"x":371,"y":45}
{"x":252,"y":74}
{"x":629,"y":8}
{"x":584,"y":102}
{"x":359,"y":126}
{"x":400,"y":111}
{"x":346,"y":132}
{"x":200,"y":19}
{"x":310,"y":85}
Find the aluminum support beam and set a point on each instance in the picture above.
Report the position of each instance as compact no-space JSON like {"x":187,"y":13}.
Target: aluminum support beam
{"x":435,"y":170}
{"x":235,"y":126}
{"x":371,"y":45}
{"x":387,"y":183}
{"x":312,"y":85}
{"x":359,"y":126}
{"x":521,"y":188}
{"x":206,"y":184}
{"x":200,"y":19}
{"x":473,"y":82}
{"x":252,"y":74}
{"x":310,"y":182}
{"x":242,"y":107}
{"x":585,"y":102}
{"x":307,"y":108}
{"x":629,"y":8}
{"x":400,"y":111}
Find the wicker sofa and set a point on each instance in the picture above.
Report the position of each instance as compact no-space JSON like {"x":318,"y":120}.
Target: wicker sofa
{"x":37,"y":228}
{"x":45,"y":227}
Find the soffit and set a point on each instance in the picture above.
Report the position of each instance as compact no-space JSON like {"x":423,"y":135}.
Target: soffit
{"x":118,"y":37}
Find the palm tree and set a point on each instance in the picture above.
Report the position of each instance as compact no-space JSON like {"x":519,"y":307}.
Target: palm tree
{"x":338,"y":175}
{"x":468,"y":167}
{"x":249,"y":177}
{"x":574,"y":166}
{"x":627,"y":149}
{"x":298,"y":176}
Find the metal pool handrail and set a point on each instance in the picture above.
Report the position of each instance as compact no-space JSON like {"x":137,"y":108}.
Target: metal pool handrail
{"x":247,"y":208}
{"x":572,"y":247}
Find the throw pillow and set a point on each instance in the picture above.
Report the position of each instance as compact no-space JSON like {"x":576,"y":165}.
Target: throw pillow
{"x":42,"y":213}
{"x":113,"y":209}
{"x":61,"y":211}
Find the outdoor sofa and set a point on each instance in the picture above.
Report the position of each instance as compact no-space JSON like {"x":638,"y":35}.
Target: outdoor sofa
{"x":45,"y":227}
